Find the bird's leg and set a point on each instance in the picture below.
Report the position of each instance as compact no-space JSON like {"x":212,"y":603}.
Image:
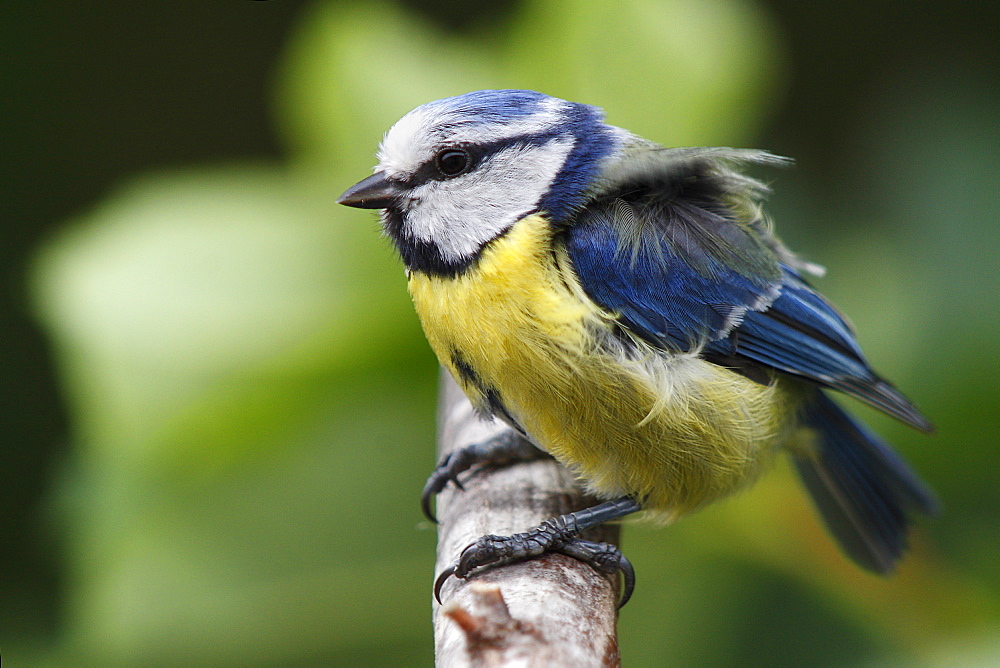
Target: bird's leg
{"x":505,"y":448}
{"x":555,"y":535}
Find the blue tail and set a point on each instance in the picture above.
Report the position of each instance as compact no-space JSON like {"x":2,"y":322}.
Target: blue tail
{"x":863,"y":489}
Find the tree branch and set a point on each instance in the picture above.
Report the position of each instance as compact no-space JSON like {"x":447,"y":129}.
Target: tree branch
{"x":550,"y":611}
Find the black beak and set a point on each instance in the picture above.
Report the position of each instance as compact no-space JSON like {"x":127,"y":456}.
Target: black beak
{"x":375,"y":192}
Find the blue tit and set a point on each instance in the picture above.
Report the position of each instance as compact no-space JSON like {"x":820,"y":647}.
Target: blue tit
{"x":627,"y":309}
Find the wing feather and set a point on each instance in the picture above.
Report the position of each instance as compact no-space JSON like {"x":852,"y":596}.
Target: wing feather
{"x":685,"y":261}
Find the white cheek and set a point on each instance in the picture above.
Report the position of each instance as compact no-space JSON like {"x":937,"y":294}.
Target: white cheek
{"x":462,"y":214}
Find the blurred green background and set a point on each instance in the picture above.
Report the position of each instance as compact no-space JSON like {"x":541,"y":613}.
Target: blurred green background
{"x":219,"y":408}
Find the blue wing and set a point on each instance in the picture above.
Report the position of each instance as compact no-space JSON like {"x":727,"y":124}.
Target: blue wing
{"x":680,"y":270}
{"x":667,"y":269}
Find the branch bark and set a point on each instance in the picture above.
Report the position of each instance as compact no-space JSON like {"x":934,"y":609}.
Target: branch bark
{"x":550,"y":611}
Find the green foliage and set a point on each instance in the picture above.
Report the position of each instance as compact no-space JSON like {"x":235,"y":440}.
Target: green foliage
{"x":248,"y":389}
{"x":253,"y":403}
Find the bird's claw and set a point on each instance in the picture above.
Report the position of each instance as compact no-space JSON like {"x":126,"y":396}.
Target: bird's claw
{"x":441,"y":579}
{"x":505,"y":448}
{"x":604,"y":558}
{"x":447,"y":470}
{"x":492,"y":551}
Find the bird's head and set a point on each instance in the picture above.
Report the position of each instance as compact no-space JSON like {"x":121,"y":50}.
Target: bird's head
{"x":456,"y":173}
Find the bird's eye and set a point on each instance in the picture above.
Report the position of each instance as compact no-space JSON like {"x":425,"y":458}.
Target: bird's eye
{"x":452,"y":162}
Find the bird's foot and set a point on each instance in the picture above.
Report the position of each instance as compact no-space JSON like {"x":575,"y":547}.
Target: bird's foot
{"x":555,"y":535}
{"x":504,"y":449}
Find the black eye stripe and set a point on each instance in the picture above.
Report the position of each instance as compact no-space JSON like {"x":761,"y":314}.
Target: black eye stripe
{"x":431,"y":170}
{"x":477,"y":154}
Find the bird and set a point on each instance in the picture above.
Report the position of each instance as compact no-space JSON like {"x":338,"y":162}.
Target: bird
{"x":628,"y":310}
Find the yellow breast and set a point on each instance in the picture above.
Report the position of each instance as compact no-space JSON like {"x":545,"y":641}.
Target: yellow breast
{"x":517,"y":330}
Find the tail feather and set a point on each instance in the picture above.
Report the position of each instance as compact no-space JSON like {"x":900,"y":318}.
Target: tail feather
{"x":863,"y":490}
